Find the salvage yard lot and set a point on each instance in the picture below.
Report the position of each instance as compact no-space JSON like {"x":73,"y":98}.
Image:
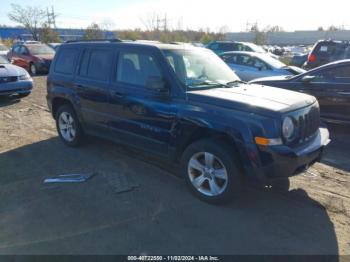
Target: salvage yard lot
{"x":135,"y":204}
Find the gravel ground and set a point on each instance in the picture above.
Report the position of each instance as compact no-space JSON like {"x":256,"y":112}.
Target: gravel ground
{"x":135,"y":204}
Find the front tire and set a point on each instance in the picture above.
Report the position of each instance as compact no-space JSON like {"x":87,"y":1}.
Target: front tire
{"x":68,"y":126}
{"x":33,"y":69}
{"x":211,"y":171}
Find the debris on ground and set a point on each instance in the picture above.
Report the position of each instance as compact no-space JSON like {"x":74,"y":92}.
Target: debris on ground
{"x":69,"y":178}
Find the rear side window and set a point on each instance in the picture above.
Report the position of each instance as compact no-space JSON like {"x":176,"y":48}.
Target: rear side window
{"x":96,"y":64}
{"x":99,"y":64}
{"x":135,"y":68}
{"x":331,"y":49}
{"x":65,"y":61}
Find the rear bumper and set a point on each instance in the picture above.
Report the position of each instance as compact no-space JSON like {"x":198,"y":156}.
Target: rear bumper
{"x":283,"y":161}
{"x":19,"y":87}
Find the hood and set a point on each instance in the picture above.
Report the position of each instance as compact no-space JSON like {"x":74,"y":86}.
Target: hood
{"x":11,"y":70}
{"x":45,"y":57}
{"x":297,"y":70}
{"x":263,"y":100}
{"x":271,"y":78}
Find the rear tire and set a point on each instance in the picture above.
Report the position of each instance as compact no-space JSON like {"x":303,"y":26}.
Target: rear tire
{"x":23,"y":95}
{"x":211,"y":171}
{"x":68,"y":126}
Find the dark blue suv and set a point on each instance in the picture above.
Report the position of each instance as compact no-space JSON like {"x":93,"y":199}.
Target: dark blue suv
{"x":186,"y":104}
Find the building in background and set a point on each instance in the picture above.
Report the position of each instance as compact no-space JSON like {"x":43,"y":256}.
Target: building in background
{"x":291,"y":38}
{"x":21,"y":33}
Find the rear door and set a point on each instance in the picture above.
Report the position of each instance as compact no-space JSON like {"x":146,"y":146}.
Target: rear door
{"x":92,"y":87}
{"x":140,"y":117}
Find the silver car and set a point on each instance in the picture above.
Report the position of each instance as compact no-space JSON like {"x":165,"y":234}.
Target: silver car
{"x":251,"y":65}
{"x":14,"y":80}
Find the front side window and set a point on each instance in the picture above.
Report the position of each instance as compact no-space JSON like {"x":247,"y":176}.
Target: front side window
{"x":199,"y":68}
{"x":136,"y":68}
{"x":340,"y":74}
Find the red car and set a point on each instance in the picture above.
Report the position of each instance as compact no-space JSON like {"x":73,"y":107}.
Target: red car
{"x":34,"y":57}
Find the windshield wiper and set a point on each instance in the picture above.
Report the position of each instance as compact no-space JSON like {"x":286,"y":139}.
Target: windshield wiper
{"x":236,"y":82}
{"x":214,"y":83}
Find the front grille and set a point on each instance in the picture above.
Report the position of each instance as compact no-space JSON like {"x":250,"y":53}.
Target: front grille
{"x":8,"y":79}
{"x":307,"y":124}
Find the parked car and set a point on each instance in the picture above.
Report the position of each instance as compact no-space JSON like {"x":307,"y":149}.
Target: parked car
{"x":220,"y":47}
{"x":34,"y":57}
{"x":299,"y":59}
{"x":3,"y":50}
{"x":54,"y":46}
{"x":330,"y":84}
{"x":14,"y":80}
{"x":326,"y":51}
{"x":250,"y":65}
{"x":187,"y":105}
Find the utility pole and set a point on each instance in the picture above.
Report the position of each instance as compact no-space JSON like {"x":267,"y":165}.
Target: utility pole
{"x":51,"y":17}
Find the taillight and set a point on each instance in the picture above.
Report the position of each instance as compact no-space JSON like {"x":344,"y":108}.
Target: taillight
{"x":312,"y":58}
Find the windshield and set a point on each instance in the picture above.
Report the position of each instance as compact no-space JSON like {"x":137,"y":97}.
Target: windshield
{"x":198,"y":68}
{"x":3,"y":60}
{"x":256,"y":48}
{"x":40,"y":50}
{"x":3,"y":48}
{"x":272,"y":61}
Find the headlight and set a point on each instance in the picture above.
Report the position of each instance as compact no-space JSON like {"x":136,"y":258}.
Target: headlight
{"x":288,"y":128}
{"x":24,"y":77}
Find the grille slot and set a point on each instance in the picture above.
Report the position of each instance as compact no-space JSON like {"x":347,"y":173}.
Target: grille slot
{"x":8,"y":79}
{"x":308,"y":124}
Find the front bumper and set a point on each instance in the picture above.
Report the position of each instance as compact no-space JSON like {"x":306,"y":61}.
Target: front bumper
{"x":18,"y":87}
{"x":283,"y":161}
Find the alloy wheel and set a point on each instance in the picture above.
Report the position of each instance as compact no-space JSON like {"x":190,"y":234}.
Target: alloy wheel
{"x":207,"y":174}
{"x":67,"y":126}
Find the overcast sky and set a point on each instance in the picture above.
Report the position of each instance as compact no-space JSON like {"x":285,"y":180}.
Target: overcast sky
{"x":194,"y":14}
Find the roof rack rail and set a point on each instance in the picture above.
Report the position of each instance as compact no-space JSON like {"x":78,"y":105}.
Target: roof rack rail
{"x":114,"y":40}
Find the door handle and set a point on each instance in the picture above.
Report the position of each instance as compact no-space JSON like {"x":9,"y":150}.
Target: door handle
{"x":343,"y":93}
{"x":79,"y":86}
{"x":117,"y":94}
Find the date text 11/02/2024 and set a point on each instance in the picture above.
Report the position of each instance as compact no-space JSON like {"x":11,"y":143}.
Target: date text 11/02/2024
{"x":173,"y":258}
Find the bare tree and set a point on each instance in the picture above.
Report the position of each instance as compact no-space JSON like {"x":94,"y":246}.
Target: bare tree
{"x":151,"y":21}
{"x":93,"y":31}
{"x":29,"y":17}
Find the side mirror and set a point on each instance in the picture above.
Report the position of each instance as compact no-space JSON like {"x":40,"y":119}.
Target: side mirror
{"x":307,"y":79}
{"x":157,"y":84}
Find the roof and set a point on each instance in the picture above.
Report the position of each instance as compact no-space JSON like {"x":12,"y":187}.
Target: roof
{"x":156,"y":44}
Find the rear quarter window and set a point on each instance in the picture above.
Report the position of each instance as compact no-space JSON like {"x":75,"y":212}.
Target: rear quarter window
{"x":66,"y":60}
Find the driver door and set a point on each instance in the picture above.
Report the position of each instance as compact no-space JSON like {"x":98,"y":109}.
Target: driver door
{"x":331,"y":87}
